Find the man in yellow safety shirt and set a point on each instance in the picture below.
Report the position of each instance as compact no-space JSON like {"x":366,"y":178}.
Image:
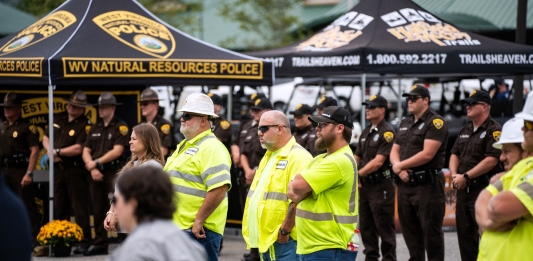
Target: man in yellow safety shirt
{"x":504,"y":209}
{"x":268,"y":216}
{"x":200,"y":172}
{"x":326,"y":216}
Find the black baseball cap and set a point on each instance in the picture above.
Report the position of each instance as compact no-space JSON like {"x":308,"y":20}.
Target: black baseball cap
{"x":334,"y":114}
{"x":326,"y":101}
{"x":255,"y":96}
{"x":262,"y":104}
{"x":478,"y":95}
{"x":376,"y":101}
{"x":418,"y":90}
{"x":302,"y":109}
{"x":215,"y":98}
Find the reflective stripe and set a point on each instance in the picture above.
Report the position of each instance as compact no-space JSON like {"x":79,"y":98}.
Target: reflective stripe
{"x":190,"y":191}
{"x":214,"y":170}
{"x":528,"y":188}
{"x":276,"y":196}
{"x":218,"y":179}
{"x":250,"y":193}
{"x":204,"y":139}
{"x":185,"y":176}
{"x":498,"y":185}
{"x":313,"y":216}
{"x":297,"y":146}
{"x":346,"y":219}
{"x":354,"y":186}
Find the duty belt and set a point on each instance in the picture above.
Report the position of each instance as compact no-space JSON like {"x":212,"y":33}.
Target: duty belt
{"x":15,"y":161}
{"x":421,"y":177}
{"x":375,"y":177}
{"x":63,"y":165}
{"x":113,"y":165}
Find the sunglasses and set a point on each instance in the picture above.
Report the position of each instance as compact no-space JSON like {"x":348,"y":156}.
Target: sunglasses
{"x":187,"y":117}
{"x":263,"y":129}
{"x":372,"y":107}
{"x":528,"y":125}
{"x":474,"y":104}
{"x":321,"y":124}
{"x":113,"y":200}
{"x":298,"y":117}
{"x":412,"y":98}
{"x":145,"y":103}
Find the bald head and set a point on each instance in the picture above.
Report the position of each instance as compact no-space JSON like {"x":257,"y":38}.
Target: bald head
{"x":279,"y":132}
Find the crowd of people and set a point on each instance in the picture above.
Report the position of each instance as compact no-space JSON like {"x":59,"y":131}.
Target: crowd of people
{"x":305,"y":195}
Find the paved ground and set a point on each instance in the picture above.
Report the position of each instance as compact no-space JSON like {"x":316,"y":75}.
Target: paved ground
{"x":234,"y":247}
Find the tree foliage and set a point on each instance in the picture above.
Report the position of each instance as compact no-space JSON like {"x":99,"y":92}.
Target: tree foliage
{"x":274,"y":21}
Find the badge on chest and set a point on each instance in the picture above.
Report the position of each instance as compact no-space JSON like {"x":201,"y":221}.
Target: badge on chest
{"x":282,"y":164}
{"x":191,"y":151}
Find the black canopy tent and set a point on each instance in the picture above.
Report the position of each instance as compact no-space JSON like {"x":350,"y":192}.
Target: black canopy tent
{"x":397,"y":37}
{"x":118,"y":44}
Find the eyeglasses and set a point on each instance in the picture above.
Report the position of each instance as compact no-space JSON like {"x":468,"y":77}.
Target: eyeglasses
{"x":113,"y":200}
{"x":263,"y":129}
{"x":474,"y":104}
{"x":413,"y":98}
{"x":528,"y":125}
{"x":187,"y":117}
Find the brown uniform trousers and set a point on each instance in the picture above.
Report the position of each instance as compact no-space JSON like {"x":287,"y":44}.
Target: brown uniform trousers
{"x":100,"y":140}
{"x":70,"y":176}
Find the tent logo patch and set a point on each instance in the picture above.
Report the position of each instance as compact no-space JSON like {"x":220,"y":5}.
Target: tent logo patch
{"x":138,"y":32}
{"x":40,"y":30}
{"x":418,"y":26}
{"x":339,"y":33}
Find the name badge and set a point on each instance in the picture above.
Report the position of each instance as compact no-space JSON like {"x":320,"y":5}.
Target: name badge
{"x":191,"y":151}
{"x":282,"y":164}
{"x":96,"y":134}
{"x":403,"y":129}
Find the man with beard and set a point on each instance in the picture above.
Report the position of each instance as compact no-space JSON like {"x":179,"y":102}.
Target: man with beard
{"x":263,"y":225}
{"x":417,"y":158}
{"x":200,"y":171}
{"x":326,"y":192}
{"x":511,"y":145}
{"x":149,"y":107}
{"x":504,"y":210}
{"x":305,"y":132}
{"x":472,"y":163}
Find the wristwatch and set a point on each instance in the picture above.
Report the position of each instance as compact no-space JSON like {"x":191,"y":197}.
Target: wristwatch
{"x":284,"y":232}
{"x":57,"y":152}
{"x":29,"y":174}
{"x":466,"y":177}
{"x":96,"y":161}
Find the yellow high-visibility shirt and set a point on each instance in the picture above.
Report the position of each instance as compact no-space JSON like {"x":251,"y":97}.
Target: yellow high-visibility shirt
{"x":514,"y":244}
{"x":328,"y":217}
{"x":198,"y":166}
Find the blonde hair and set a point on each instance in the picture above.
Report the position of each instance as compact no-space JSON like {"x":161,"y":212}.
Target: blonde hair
{"x":147,"y":134}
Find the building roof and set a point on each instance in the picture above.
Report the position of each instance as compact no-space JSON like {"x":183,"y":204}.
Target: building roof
{"x":13,"y":20}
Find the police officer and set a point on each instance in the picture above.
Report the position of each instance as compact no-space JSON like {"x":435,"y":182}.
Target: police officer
{"x":324,"y":102}
{"x":305,"y":132}
{"x":417,"y":158}
{"x":19,"y":151}
{"x":472,"y":163}
{"x":149,"y":107}
{"x":221,"y":127}
{"x":200,"y":171}
{"x":70,"y":178}
{"x":376,"y":195}
{"x":103,"y":156}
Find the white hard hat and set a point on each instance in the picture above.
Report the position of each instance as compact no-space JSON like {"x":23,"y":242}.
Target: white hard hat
{"x":199,"y":103}
{"x":527,"y":111}
{"x":511,"y":133}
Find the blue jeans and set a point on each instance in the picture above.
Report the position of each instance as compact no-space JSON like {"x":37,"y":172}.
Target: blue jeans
{"x":211,"y":243}
{"x":281,"y":252}
{"x":330,"y":255}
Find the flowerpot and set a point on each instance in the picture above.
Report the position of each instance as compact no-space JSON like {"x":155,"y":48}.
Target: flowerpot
{"x":60,"y":250}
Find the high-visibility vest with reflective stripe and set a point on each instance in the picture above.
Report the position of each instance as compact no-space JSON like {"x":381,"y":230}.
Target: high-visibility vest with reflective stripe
{"x":196,"y":167}
{"x":274,"y":203}
{"x":327,"y":220}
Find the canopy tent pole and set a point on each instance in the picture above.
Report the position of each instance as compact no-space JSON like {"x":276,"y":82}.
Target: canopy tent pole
{"x":399,"y":106}
{"x":51,"y":155}
{"x":363,"y":98}
{"x":229,"y":107}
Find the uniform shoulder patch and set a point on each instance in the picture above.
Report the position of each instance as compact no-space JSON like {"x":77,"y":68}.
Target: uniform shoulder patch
{"x":389,"y":136}
{"x":496,"y":135}
{"x":165,"y":128}
{"x":123,"y":130}
{"x":33,"y":129}
{"x":438,"y":123}
{"x":225,"y":125}
{"x":87,"y":128}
